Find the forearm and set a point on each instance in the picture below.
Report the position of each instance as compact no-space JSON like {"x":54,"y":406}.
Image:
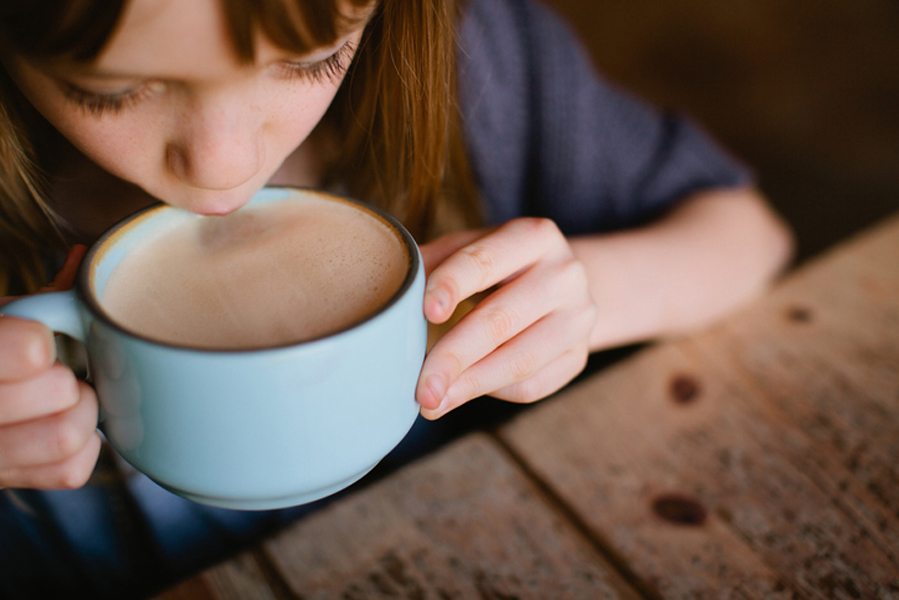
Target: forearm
{"x":709,"y":255}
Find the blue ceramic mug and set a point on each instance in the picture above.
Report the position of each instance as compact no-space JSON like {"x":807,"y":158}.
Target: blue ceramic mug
{"x":255,"y":429}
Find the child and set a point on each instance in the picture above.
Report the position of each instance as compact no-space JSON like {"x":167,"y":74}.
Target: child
{"x":591,"y":220}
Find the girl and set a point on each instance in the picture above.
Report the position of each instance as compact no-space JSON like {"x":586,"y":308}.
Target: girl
{"x":588,"y":219}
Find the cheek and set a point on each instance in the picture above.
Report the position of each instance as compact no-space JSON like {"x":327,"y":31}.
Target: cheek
{"x":122,"y":150}
{"x":123,"y":146}
{"x":297,"y":114}
{"x":109,"y":144}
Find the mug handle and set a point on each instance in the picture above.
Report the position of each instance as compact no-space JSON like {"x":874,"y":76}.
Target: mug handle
{"x":57,"y":310}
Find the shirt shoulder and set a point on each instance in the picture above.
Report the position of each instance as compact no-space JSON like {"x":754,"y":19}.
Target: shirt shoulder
{"x":550,"y":136}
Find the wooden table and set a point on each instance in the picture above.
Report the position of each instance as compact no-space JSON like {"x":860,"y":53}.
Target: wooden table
{"x":758,"y":459}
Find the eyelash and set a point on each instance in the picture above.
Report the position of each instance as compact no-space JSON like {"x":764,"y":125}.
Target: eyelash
{"x":327,"y":70}
{"x":324,"y":71}
{"x":100,"y":104}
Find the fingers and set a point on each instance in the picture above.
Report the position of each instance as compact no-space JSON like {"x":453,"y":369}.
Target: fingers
{"x":547,"y":380}
{"x":527,"y":338}
{"x":26,"y":348}
{"x":54,"y":391}
{"x":440,"y":249}
{"x":48,"y":419}
{"x":50,"y":438}
{"x":530,"y":366}
{"x":497,"y":319}
{"x":71,"y":473}
{"x":58,"y":450}
{"x":487,"y":261}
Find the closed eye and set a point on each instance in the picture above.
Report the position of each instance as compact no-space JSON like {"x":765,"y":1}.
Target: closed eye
{"x":98,"y":104}
{"x":328,"y":70}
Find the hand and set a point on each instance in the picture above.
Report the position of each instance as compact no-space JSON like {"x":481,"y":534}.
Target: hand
{"x":48,"y":418}
{"x":527,"y":338}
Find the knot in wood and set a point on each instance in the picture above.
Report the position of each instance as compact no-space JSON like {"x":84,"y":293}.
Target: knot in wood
{"x":684,"y":389}
{"x":679,"y":509}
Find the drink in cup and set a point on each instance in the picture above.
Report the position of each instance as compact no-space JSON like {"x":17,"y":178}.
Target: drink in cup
{"x":258,"y":360}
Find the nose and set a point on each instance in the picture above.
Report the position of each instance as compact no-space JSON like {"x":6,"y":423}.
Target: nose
{"x":218,"y":144}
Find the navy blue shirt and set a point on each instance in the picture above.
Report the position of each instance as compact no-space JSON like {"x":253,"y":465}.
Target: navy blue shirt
{"x":549,"y":137}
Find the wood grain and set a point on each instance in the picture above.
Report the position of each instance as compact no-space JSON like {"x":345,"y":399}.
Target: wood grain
{"x":754,"y":460}
{"x":241,"y":578}
{"x":464,"y":523}
{"x":756,"y":426}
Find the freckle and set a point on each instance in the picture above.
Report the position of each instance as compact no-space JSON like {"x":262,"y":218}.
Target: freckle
{"x":684,"y":389}
{"x":799,"y":314}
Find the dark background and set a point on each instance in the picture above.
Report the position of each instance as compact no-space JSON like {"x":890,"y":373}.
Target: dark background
{"x":805,"y":91}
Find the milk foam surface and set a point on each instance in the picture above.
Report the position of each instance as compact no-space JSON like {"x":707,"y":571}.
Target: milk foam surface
{"x":263,"y":276}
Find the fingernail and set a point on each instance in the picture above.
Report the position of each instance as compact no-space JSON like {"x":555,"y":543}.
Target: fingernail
{"x":41,"y":352}
{"x":437,"y":385}
{"x":441,"y":298}
{"x":442,"y":408}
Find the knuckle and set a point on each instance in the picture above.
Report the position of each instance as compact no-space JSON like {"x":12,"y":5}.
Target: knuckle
{"x":524,"y":392}
{"x":522,"y":365}
{"x":88,"y":396}
{"x":67,"y":437}
{"x":37,"y":343}
{"x":63,"y":385}
{"x":482,"y":258}
{"x":445,"y":360}
{"x":500,"y":324}
{"x":591,"y":314}
{"x":74,"y":476}
{"x":454,"y":361}
{"x":576,"y":271}
{"x":578,"y":361}
{"x":574,"y":275}
{"x":586,"y":316}
{"x":540,"y":228}
{"x":467,"y":386}
{"x":77,"y":470}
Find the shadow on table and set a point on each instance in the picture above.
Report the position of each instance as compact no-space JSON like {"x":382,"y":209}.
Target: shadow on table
{"x":483,"y":414}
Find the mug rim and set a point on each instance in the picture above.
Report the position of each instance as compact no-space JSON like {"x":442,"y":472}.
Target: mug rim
{"x":106,"y":241}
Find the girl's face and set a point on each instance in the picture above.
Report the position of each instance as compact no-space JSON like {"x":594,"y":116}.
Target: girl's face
{"x":169,"y":107}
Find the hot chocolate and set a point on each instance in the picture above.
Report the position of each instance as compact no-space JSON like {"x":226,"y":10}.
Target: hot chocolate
{"x":263,"y":276}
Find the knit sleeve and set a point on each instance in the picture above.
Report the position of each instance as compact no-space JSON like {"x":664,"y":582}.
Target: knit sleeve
{"x":548,"y":136}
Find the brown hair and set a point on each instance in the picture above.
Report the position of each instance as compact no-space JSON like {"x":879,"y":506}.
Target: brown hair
{"x":394,"y":126}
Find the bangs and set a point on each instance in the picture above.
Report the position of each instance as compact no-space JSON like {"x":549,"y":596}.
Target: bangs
{"x":297,"y":26}
{"x":79,"y":29}
{"x":49,"y":28}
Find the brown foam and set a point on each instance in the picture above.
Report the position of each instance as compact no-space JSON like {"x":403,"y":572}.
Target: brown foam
{"x":262,"y":276}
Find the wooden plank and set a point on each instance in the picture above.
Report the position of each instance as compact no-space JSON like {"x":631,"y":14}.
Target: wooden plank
{"x":834,"y":371}
{"x":615,"y":449}
{"x":191,"y":589}
{"x":463,"y":523}
{"x":683,"y":434}
{"x":240,"y":578}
